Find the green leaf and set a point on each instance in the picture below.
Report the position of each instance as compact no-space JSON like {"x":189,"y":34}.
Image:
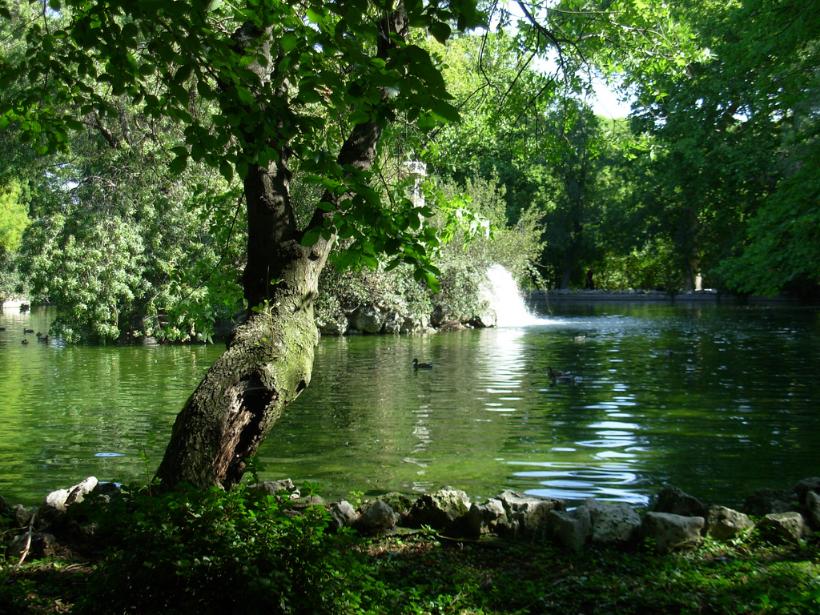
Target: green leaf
{"x":289,"y":42}
{"x":179,"y":163}
{"x":315,"y":16}
{"x":311,"y":236}
{"x":226,"y":169}
{"x":359,"y":116}
{"x":441,"y":31}
{"x":445,"y":110}
{"x":244,"y":95}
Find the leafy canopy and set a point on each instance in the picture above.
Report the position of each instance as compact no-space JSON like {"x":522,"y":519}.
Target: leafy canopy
{"x":250,"y":84}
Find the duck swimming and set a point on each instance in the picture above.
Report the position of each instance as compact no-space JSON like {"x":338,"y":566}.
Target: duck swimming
{"x":559,"y":376}
{"x":417,"y":365}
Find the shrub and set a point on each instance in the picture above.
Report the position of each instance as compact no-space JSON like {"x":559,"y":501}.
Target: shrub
{"x":463,"y":262}
{"x":211,"y":551}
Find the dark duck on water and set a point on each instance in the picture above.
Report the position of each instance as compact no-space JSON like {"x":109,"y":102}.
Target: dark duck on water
{"x":417,"y":365}
{"x":562,"y":377}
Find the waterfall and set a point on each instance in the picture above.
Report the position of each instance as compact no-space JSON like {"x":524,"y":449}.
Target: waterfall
{"x":505,"y":299}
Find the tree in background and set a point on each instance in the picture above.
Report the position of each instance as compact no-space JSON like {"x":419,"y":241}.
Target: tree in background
{"x":521,"y":93}
{"x":572,"y":145}
{"x":121,"y":246}
{"x":155,"y":259}
{"x":733,"y":131}
{"x":13,"y":222}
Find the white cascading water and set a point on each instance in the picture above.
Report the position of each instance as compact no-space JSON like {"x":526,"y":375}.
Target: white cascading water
{"x":505,"y":299}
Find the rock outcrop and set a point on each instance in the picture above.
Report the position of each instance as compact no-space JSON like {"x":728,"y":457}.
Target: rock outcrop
{"x":670,"y":532}
{"x":39,"y":531}
{"x":724,"y":523}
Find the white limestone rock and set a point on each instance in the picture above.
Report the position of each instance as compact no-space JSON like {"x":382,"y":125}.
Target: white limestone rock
{"x":61,"y":499}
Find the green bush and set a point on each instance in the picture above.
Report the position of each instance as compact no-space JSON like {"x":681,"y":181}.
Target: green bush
{"x":463,"y":261}
{"x":13,"y":222}
{"x":396,"y":291}
{"x":211,"y":551}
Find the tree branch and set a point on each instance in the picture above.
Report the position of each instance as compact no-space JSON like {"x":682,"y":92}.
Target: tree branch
{"x":109,"y":137}
{"x":359,"y":149}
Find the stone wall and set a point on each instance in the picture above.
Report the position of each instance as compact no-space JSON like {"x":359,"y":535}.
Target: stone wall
{"x":676,"y":520}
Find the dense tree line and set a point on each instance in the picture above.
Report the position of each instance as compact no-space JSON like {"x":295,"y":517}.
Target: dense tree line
{"x":715,"y":175}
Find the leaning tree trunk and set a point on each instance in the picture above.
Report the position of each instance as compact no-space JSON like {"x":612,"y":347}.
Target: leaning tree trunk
{"x":267,"y":364}
{"x":269,"y":359}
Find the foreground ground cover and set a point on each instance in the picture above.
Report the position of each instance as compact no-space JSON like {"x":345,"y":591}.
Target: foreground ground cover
{"x":229,"y":553}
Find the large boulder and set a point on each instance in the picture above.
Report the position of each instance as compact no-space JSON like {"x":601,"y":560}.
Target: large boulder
{"x":376,"y":516}
{"x":724,"y":523}
{"x":105,"y":491}
{"x":571,"y":529}
{"x":333,"y":326}
{"x":768,"y":501}
{"x":283,"y":488}
{"x":782,"y":528}
{"x":61,"y":499}
{"x":415,"y":324}
{"x":469,"y":525}
{"x":670,"y":532}
{"x":439,"y":510}
{"x":677,"y":502}
{"x":392,"y":323}
{"x":494,"y":516}
{"x":401,"y":503}
{"x":806,"y":486}
{"x":22,"y":514}
{"x":487,"y":318}
{"x":812,"y":506}
{"x":306,"y":501}
{"x":612,"y":523}
{"x":452,"y":325}
{"x":367,"y":319}
{"x":528,"y":515}
{"x":342,"y":514}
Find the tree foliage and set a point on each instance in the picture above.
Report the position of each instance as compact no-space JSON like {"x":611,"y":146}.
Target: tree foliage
{"x":177,"y":99}
{"x":249,"y":85}
{"x":734,"y":128}
{"x":13,"y":218}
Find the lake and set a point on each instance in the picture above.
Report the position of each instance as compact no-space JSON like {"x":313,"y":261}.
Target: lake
{"x":717,"y":400}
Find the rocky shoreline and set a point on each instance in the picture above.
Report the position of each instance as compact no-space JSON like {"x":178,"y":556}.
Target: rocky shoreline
{"x":675,"y":520}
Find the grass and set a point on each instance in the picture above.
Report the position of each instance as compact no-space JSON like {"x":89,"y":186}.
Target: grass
{"x":422,"y":576}
{"x":419,"y":574}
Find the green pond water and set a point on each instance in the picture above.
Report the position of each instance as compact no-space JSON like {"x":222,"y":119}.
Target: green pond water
{"x":717,"y":400}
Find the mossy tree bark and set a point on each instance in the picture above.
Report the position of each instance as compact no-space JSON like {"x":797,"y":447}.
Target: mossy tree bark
{"x":269,"y":359}
{"x":267,"y":364}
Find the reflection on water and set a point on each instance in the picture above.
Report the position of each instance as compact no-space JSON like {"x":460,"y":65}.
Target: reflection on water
{"x":68,"y":412}
{"x":719,"y":401}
